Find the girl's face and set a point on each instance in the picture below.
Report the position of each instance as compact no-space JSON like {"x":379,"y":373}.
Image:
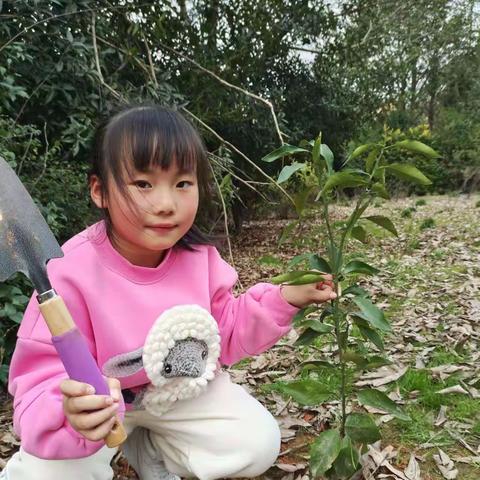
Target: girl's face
{"x":160,"y":210}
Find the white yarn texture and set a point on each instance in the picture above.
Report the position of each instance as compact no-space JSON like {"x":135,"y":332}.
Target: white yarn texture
{"x":178,"y":323}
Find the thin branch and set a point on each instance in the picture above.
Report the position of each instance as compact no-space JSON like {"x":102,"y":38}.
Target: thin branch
{"x":97,"y":63}
{"x":230,"y":85}
{"x":210,"y":129}
{"x":150,"y":63}
{"x":142,"y":65}
{"x":225,"y":216}
{"x":20,"y":165}
{"x":248,"y":184}
{"x":45,"y":156}
{"x":310,"y":50}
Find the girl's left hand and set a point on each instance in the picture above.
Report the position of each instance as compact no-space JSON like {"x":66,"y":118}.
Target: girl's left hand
{"x":302,"y":295}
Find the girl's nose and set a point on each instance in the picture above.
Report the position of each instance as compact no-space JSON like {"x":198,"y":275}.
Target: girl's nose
{"x":164,"y":203}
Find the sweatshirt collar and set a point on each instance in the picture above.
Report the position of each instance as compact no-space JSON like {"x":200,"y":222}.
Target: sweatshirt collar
{"x":111,"y":259}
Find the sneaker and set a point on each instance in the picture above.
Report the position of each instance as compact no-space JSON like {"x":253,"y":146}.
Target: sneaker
{"x":142,"y":457}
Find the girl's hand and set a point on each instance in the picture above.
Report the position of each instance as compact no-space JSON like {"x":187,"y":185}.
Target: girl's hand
{"x":302,"y":295}
{"x":90,"y":415}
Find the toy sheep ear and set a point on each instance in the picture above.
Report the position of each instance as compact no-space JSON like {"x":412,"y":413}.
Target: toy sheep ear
{"x":124,"y":364}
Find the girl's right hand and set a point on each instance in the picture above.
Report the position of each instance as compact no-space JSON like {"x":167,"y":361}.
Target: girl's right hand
{"x":93,"y":416}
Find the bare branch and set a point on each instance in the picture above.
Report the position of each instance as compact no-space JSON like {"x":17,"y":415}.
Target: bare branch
{"x":97,"y":63}
{"x":310,"y":50}
{"x":230,"y":85}
{"x":251,"y":162}
{"x":150,"y":63}
{"x":225,"y":216}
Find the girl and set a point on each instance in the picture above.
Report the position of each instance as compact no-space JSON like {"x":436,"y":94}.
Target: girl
{"x":149,"y":176}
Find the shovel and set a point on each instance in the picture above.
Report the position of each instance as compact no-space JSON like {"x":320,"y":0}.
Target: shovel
{"x":26,"y":245}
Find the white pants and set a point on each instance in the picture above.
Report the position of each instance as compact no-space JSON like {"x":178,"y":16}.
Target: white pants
{"x":224,"y":433}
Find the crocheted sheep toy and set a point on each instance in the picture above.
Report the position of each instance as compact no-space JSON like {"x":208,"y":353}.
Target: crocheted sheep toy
{"x":179,"y":357}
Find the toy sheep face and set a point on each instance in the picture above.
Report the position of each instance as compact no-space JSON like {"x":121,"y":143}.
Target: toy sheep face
{"x":187,"y":358}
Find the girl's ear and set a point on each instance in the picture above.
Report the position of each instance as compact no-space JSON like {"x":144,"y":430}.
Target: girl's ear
{"x":96,"y":192}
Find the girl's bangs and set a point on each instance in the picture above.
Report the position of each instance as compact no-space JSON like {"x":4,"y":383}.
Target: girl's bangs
{"x":152,"y":139}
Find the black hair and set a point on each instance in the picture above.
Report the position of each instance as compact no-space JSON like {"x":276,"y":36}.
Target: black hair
{"x":145,"y":136}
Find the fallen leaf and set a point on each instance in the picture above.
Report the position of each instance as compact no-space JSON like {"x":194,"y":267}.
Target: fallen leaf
{"x":445,"y":465}
{"x":290,"y":467}
{"x":441,"y":417}
{"x":454,"y":389}
{"x":412,"y":472}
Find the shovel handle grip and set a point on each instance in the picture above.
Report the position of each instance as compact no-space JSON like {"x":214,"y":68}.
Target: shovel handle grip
{"x":79,"y":363}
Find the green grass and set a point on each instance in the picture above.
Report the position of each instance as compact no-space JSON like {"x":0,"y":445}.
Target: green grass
{"x":424,"y":404}
{"x":427,"y":223}
{"x":442,"y":356}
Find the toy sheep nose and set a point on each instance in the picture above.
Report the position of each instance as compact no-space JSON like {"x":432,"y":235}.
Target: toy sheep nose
{"x":190,"y":369}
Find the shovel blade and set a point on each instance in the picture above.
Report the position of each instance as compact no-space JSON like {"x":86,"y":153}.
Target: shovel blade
{"x":26,"y":241}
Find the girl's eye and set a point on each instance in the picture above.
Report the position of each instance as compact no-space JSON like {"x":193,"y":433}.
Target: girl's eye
{"x":184,"y":184}
{"x":142,"y":184}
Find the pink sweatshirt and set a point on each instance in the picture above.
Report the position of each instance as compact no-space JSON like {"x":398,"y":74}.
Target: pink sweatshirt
{"x":114,"y":304}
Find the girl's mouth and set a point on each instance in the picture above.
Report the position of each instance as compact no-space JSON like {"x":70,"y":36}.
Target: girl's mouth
{"x":162,"y":228}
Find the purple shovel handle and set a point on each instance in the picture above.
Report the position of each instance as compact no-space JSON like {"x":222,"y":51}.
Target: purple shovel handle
{"x":78,"y":361}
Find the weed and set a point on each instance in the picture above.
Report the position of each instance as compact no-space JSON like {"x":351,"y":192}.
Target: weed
{"x":427,"y":223}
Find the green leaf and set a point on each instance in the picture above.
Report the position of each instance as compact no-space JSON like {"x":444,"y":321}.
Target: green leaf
{"x":359,"y":233}
{"x":307,"y":337}
{"x":289,"y":276}
{"x":289,"y":170}
{"x":324,"y":451}
{"x":348,"y":460}
{"x":327,"y":154}
{"x":361,"y":150}
{"x":306,"y":143}
{"x":343,"y":180}
{"x":356,"y":290}
{"x":377,"y":399}
{"x":380,"y":190}
{"x":372,"y":314}
{"x":305,"y":392}
{"x":282,"y":151}
{"x":371,"y":160}
{"x":317,"y":364}
{"x":417,"y":147}
{"x":368,"y":333}
{"x":355,"y":357}
{"x":361,"y":428}
{"x":407,"y":172}
{"x":302,"y":313}
{"x":298,"y":278}
{"x":318,"y":326}
{"x":319,"y":263}
{"x":356,"y":266}
{"x":383,"y":222}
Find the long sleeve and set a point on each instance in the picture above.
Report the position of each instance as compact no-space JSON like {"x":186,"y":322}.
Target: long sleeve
{"x":250,"y":323}
{"x":34,"y":380}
